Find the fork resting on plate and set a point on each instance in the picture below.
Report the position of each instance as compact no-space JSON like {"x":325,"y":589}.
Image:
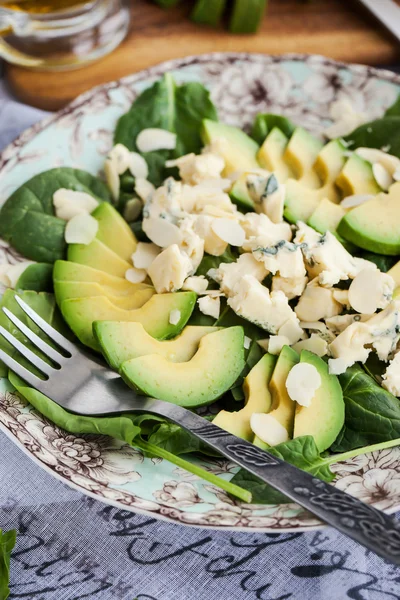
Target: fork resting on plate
{"x":83,"y":384}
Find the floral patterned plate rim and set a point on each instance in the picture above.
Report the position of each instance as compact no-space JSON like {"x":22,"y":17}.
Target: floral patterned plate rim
{"x":300,"y":86}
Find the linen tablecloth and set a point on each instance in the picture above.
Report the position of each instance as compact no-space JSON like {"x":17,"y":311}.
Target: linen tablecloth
{"x":71,"y":547}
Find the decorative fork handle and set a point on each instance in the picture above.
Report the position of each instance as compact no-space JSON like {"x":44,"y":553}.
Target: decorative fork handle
{"x":370,"y":527}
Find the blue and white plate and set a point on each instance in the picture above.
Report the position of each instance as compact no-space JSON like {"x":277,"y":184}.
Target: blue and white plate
{"x":242,"y":85}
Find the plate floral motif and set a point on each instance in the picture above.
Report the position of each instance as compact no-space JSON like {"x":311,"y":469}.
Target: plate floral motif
{"x":302,"y":88}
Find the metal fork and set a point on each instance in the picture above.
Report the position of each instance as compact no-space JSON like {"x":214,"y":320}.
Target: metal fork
{"x":83,"y":385}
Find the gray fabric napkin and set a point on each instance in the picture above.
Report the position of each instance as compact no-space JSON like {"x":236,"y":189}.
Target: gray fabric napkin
{"x":71,"y":547}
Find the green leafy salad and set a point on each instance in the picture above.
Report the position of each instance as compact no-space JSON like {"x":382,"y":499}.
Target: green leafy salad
{"x":253,"y":274}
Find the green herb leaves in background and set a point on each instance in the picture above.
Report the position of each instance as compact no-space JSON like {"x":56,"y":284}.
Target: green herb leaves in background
{"x":27,"y":219}
{"x":382,"y":133}
{"x":244,"y":16}
{"x":166,"y":105}
{"x":7,"y":543}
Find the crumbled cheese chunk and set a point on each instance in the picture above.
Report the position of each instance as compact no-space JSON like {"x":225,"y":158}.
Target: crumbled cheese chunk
{"x":191,"y":243}
{"x":174,"y":316}
{"x":210,"y":306}
{"x":319,"y":329}
{"x":212,"y":243}
{"x":329,"y":260}
{"x":69,"y":204}
{"x":276,"y":343}
{"x":381,"y":332}
{"x":229,"y":275}
{"x":196,"y":283}
{"x":194,"y":169}
{"x":317,"y":303}
{"x":169,"y":270}
{"x":292,"y":330}
{"x":341,"y":296}
{"x":165,"y":202}
{"x":284,"y":258}
{"x":391,"y":377}
{"x":144,"y":255}
{"x":260,"y":226}
{"x":314,"y":344}
{"x":252,"y":301}
{"x":290,"y":286}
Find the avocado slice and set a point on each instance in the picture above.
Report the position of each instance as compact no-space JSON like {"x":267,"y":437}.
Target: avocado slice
{"x":324,"y":418}
{"x":114,"y":231}
{"x":80,"y":313}
{"x":357,"y":177}
{"x":330,"y":161}
{"x":238,"y":149}
{"x":327,"y":216}
{"x":283,"y":407}
{"x":374,"y":225}
{"x":301,"y":154}
{"x":270,"y":156}
{"x":214,"y":368}
{"x":257,"y":398}
{"x":239,"y":194}
{"x":98,"y":256}
{"x":70,"y":271}
{"x":123,"y":341}
{"x":64,"y":290}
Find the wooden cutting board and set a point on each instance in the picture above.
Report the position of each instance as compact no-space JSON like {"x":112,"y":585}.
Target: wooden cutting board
{"x":340,"y":29}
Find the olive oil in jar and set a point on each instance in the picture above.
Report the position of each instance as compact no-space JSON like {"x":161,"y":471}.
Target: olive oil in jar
{"x":43,"y":6}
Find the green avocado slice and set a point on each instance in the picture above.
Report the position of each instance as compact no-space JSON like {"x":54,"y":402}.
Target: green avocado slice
{"x":98,"y":256}
{"x":80,"y":313}
{"x":238,"y":149}
{"x":258,"y":400}
{"x":214,"y":368}
{"x":79,"y":289}
{"x":374,"y":225}
{"x":324,"y":418}
{"x":283,"y":407}
{"x":123,"y":341}
{"x":70,"y":271}
{"x":114,"y":231}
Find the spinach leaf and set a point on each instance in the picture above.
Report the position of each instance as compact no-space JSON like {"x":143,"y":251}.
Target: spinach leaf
{"x":382,"y":133}
{"x":375,"y":367}
{"x":7,"y":543}
{"x":37,"y":277}
{"x":178,"y":441}
{"x":179,"y":109}
{"x":27,"y":219}
{"x":384,"y":263}
{"x":301,"y":452}
{"x":212,"y":262}
{"x":372,"y":415}
{"x":264,"y":123}
{"x":394,"y":110}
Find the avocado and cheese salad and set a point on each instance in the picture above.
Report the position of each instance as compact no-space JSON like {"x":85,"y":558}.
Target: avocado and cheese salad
{"x":255,"y":274}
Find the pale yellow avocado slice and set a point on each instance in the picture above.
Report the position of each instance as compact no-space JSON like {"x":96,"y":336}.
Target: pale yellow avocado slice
{"x":123,"y":341}
{"x":374,"y":225}
{"x":283,"y":407}
{"x":257,"y":398}
{"x":210,"y":373}
{"x":79,"y":289}
{"x":301,"y":154}
{"x":114,"y":231}
{"x":270,"y":155}
{"x":357,"y":177}
{"x":326,"y":216}
{"x":324,"y":418}
{"x":98,"y":256}
{"x":71,"y":271}
{"x":238,"y":149}
{"x":80,"y":313}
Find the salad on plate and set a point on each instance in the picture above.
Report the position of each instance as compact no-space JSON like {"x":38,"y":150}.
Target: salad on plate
{"x":251,"y":277}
